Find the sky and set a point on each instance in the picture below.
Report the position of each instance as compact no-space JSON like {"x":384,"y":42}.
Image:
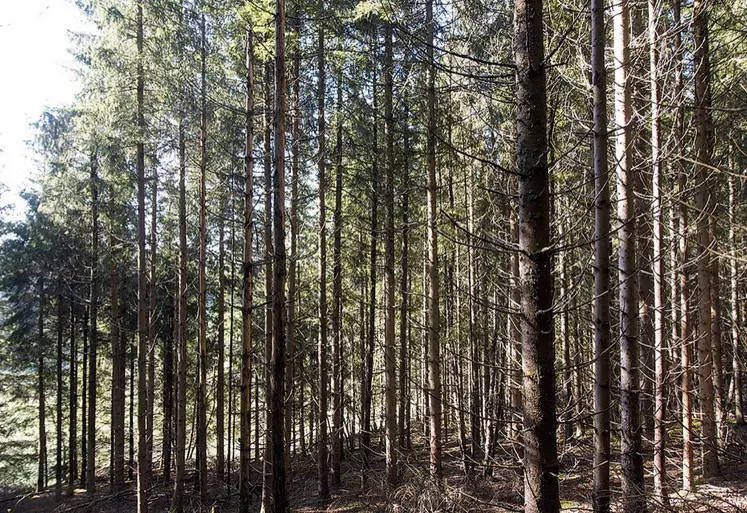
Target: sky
{"x":37,"y":72}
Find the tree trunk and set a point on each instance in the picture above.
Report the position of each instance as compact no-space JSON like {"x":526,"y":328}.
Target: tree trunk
{"x":59,"y":448}
{"x":703,"y":205}
{"x":660,"y":471}
{"x":322,"y":451}
{"x":118,"y":357}
{"x":535,"y":262}
{"x":634,"y":500}
{"x":390,"y":398}
{"x":602,"y":208}
{"x":220,"y":386}
{"x":142,"y":312}
{"x":73,"y":406}
{"x":337,"y":375}
{"x":41,"y":471}
{"x":202,"y":301}
{"x":248,"y":285}
{"x":735,"y":311}
{"x":181,"y":389}
{"x":152,"y":318}
{"x":278,"y":496}
{"x":93,"y":343}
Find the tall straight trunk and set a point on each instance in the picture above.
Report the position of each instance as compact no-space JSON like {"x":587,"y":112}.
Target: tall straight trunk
{"x":72,"y":466}
{"x":220,"y":428}
{"x":634,"y":499}
{"x":390,"y":399}
{"x":269,"y":263}
{"x":181,"y":342}
{"x":292,"y":287}
{"x":142,"y":312}
{"x":278,"y":497}
{"x":181,"y":388}
{"x":41,"y":470}
{"x":202,"y":301}
{"x":322,"y":450}
{"x":367,"y":384}
{"x":735,"y":303}
{"x":535,"y":262}
{"x":474,"y":330}
{"x":168,"y":391}
{"x":703,"y":205}
{"x":152,"y":319}
{"x":660,"y":471}
{"x":118,"y":357}
{"x":337,"y":379}
{"x":602,"y":292}
{"x":248,"y":284}
{"x":93,"y":301}
{"x":84,"y":402}
{"x":133,"y":358}
{"x":719,"y":395}
{"x":59,"y":447}
{"x":684,"y":289}
{"x":403,"y":427}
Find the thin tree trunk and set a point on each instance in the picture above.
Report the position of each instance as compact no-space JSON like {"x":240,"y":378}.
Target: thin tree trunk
{"x":181,"y":389}
{"x":602,"y":227}
{"x":73,"y":405}
{"x":248,"y":285}
{"x":703,"y":205}
{"x":390,"y":398}
{"x":142,"y":312}
{"x":735,"y":311}
{"x":634,"y":500}
{"x":220,"y":386}
{"x":322,"y":450}
{"x":540,"y":456}
{"x":168,"y":390}
{"x":403,"y":428}
{"x":660,"y":471}
{"x":59,"y":448}
{"x":42,"y":464}
{"x":337,"y":390}
{"x":118,"y":357}
{"x":202,"y":302}
{"x":152,"y":318}
{"x":93,"y":343}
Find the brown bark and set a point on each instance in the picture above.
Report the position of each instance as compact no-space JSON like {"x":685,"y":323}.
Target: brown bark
{"x":602,"y":227}
{"x":42,"y":463}
{"x":390,"y":395}
{"x":248,"y":285}
{"x":322,"y":449}
{"x":202,"y":286}
{"x":433,"y":395}
{"x":93,"y":342}
{"x":538,"y":352}
{"x":142,"y":313}
{"x":703,"y":205}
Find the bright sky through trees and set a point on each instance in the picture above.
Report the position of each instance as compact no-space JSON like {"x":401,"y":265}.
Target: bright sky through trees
{"x":34,"y":36}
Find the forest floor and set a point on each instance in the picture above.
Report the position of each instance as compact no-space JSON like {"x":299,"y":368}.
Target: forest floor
{"x":361,"y":492}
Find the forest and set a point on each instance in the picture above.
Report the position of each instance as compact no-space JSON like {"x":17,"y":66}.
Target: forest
{"x":367,"y":255}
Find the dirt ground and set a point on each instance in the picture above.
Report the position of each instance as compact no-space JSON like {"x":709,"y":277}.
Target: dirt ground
{"x":365,"y":492}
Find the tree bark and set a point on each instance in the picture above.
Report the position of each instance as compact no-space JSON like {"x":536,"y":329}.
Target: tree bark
{"x":93,"y":342}
{"x":202,"y":301}
{"x":142,"y":312}
{"x":703,"y":205}
{"x":660,"y":471}
{"x":248,"y":284}
{"x":42,"y":463}
{"x":390,"y":397}
{"x":535,"y":262}
{"x":322,"y":449}
{"x":602,"y":227}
